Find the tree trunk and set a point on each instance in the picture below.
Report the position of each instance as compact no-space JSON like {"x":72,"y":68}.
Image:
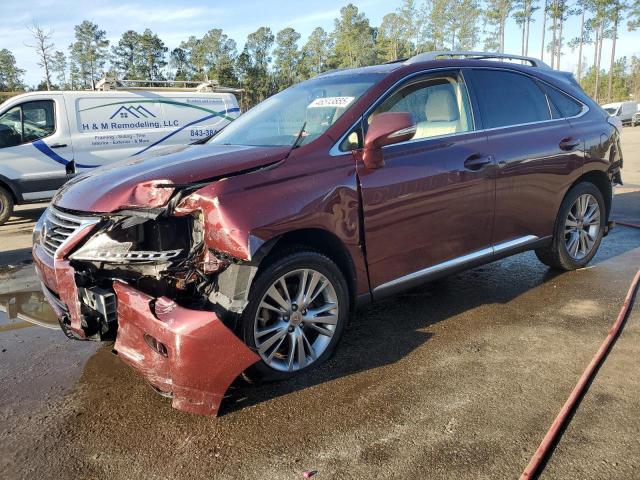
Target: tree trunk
{"x":524,"y":24}
{"x":47,"y":75}
{"x":561,"y":20}
{"x":526,"y":38}
{"x":614,"y":35}
{"x":597,"y":62}
{"x":580,"y":44}
{"x":554,"y":39}
{"x":544,"y":27}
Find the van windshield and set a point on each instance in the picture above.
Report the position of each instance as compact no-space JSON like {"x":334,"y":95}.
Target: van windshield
{"x":315,"y":105}
{"x":611,"y":110}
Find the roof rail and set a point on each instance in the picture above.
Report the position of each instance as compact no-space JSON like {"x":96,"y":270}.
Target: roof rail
{"x":428,"y":56}
{"x":107,"y":83}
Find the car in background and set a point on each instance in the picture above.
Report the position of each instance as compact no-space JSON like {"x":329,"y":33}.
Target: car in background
{"x":635,"y":121}
{"x":624,"y":111}
{"x":46,"y":137}
{"x":247,"y":254}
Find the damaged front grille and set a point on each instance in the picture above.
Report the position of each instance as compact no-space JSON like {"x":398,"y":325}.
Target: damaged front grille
{"x":59,"y":227}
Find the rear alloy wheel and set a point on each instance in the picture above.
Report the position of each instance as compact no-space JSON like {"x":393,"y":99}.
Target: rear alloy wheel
{"x":579,"y":229}
{"x":6,"y":205}
{"x":297,"y":315}
{"x":582,"y":226}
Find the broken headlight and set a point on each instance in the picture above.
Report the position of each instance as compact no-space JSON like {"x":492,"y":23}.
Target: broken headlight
{"x":151,"y":241}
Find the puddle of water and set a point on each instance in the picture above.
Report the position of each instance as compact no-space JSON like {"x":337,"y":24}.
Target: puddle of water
{"x":22,"y":300}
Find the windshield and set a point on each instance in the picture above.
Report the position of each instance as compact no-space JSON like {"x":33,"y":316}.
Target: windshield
{"x":315,"y":105}
{"x":611,"y":110}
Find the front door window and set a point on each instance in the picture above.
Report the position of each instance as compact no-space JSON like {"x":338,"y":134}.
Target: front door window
{"x":439,"y":105}
{"x":27,"y":123}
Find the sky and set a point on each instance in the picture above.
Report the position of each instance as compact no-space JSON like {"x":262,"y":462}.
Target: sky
{"x":175,"y":20}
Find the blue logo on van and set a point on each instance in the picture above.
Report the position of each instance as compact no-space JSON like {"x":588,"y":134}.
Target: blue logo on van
{"x":137,"y":112}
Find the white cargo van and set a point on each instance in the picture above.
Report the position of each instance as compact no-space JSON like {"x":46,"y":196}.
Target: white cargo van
{"x":47,"y":137}
{"x":622,"y":110}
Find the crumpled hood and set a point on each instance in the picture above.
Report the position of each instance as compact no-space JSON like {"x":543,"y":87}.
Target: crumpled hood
{"x":112,"y":187}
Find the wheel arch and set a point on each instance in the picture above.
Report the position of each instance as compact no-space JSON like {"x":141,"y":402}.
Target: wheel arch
{"x":316,"y":239}
{"x":602,"y":181}
{"x":11,"y":188}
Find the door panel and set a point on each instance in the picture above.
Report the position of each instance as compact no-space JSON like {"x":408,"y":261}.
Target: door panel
{"x":38,"y":162}
{"x":424,"y":207}
{"x":532,"y":177}
{"x":537,"y":157}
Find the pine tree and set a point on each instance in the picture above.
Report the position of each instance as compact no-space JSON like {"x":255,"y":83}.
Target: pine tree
{"x":59,"y":67}
{"x":496,"y":14}
{"x":523,"y":16}
{"x":286,"y":57}
{"x":354,"y":39}
{"x":391,"y":42}
{"x":10,"y":74}
{"x":89,"y":52}
{"x":126,"y":55}
{"x":315,"y":53}
{"x":152,"y":56}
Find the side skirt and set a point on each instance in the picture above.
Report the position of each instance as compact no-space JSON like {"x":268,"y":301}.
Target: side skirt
{"x":465,"y":262}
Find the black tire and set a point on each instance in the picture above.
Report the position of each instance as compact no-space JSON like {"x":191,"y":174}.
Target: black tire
{"x":6,"y":205}
{"x":557,"y":255}
{"x":274,"y":270}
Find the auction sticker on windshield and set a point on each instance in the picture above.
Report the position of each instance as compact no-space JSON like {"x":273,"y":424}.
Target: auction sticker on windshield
{"x":331,"y":102}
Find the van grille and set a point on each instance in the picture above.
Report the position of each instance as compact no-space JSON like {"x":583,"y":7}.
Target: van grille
{"x":61,"y":226}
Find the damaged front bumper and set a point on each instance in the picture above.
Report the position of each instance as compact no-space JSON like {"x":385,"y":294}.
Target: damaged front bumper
{"x":190,"y":354}
{"x":184,"y":353}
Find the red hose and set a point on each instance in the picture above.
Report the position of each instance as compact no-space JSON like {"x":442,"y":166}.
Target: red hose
{"x":627,"y":224}
{"x":552,"y":434}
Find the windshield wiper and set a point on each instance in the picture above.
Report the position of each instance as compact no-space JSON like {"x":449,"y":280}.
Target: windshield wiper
{"x":296,"y":142}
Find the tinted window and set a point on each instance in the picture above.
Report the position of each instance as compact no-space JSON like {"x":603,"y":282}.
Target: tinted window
{"x":26,"y":123}
{"x":508,"y":98}
{"x":562,"y":105}
{"x":439,"y":104}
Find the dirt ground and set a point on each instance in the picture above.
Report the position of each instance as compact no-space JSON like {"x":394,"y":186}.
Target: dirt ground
{"x":458,"y":379}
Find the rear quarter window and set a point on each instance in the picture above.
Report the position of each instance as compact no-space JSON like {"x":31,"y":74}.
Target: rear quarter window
{"x":508,"y":98}
{"x":562,"y":105}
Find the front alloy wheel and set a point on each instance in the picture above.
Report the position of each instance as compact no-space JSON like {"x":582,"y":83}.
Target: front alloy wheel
{"x":298,"y":307}
{"x":296,"y":319}
{"x":582,"y":226}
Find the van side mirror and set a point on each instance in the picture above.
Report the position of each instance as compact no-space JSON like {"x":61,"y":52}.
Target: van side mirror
{"x":386,"y":129}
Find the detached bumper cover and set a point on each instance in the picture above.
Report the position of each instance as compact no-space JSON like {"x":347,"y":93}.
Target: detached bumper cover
{"x":198,"y":358}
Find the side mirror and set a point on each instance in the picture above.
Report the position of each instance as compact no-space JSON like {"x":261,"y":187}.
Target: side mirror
{"x":386,"y":129}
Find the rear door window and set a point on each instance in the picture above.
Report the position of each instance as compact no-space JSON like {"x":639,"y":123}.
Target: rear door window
{"x":508,"y":98}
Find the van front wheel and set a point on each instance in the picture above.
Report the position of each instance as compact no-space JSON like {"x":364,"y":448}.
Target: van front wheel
{"x":6,"y":205}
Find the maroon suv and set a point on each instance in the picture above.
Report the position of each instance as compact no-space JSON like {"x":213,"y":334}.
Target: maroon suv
{"x":247,"y":254}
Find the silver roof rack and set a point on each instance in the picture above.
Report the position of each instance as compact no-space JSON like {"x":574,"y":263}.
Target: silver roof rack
{"x":108,"y":82}
{"x":428,"y":56}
